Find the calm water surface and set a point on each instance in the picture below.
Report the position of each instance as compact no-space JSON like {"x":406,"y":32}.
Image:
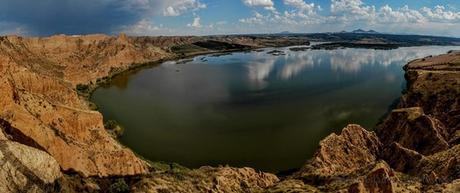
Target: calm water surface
{"x":253,"y":109}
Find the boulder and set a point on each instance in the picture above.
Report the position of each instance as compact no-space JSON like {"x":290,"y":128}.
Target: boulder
{"x":26,"y":169}
{"x":342,"y":154}
{"x":412,"y":129}
{"x":379,"y":180}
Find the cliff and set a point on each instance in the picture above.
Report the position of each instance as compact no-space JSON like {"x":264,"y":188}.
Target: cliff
{"x":52,"y":141}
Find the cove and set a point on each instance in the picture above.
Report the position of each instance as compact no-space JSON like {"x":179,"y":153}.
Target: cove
{"x":253,"y":109}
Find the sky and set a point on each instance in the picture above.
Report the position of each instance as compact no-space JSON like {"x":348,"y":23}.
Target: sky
{"x":211,"y":17}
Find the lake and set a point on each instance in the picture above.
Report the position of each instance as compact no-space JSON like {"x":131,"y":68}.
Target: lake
{"x":253,"y":108}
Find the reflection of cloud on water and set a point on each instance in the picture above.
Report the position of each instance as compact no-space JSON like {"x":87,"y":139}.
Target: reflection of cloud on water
{"x":352,"y":60}
{"x":295,"y":63}
{"x":259,"y":70}
{"x":342,"y":60}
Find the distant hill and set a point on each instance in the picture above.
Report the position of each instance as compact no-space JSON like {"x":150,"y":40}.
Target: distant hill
{"x":285,"y":32}
{"x":361,"y":31}
{"x":373,"y":37}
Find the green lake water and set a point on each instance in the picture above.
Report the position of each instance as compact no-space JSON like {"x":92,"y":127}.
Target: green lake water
{"x":252,"y":108}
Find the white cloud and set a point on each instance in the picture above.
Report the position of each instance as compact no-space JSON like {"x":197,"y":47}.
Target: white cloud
{"x":386,"y":14}
{"x":267,"y":4}
{"x":177,"y":7}
{"x":439,"y":13}
{"x":145,"y":27}
{"x":301,"y":13}
{"x":196,"y":23}
{"x":256,"y":19}
{"x":305,"y":16}
{"x":301,"y":5}
{"x":351,"y":10}
{"x":356,"y":10}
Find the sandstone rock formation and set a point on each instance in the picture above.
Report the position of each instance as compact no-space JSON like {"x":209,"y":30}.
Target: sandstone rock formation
{"x":342,"y":154}
{"x":411,"y":128}
{"x":207,"y":179}
{"x":26,"y":169}
{"x":47,"y":114}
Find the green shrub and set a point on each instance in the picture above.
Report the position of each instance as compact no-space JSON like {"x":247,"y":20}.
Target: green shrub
{"x":113,"y":127}
{"x":82,"y":88}
{"x":119,"y":186}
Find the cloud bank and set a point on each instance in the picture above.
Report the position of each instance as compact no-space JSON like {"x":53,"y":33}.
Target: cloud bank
{"x":302,"y":16}
{"x":47,"y":17}
{"x":155,"y":17}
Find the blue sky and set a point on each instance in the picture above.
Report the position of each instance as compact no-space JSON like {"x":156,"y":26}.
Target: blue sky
{"x":206,"y":17}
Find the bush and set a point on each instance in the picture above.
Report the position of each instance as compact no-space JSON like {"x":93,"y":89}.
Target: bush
{"x":82,"y":88}
{"x":119,"y":186}
{"x":114,"y":128}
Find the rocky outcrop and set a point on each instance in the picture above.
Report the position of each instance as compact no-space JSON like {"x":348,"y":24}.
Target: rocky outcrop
{"x":26,"y":169}
{"x":433,"y":83}
{"x":412,"y":129}
{"x":47,"y":114}
{"x":380,"y":179}
{"x":207,"y":179}
{"x":402,"y":159}
{"x":342,"y":154}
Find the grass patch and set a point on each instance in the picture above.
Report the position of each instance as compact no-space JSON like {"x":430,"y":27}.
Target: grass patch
{"x":114,"y":128}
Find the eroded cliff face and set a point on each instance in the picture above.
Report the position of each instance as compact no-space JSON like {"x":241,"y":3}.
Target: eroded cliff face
{"x":49,"y":133}
{"x":26,"y":169}
{"x":41,"y":108}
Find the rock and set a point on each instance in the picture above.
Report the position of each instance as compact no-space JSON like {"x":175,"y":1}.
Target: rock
{"x":452,"y":187}
{"x":441,"y":167}
{"x":433,"y":83}
{"x":342,"y":154}
{"x":379,"y":180}
{"x":207,"y":179}
{"x":402,"y":159}
{"x":357,"y":187}
{"x":291,"y":185}
{"x":58,"y":123}
{"x":26,"y":169}
{"x":412,"y":129}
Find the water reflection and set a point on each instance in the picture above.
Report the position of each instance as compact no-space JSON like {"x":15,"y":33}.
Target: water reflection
{"x":348,"y":60}
{"x":259,"y":69}
{"x":253,"y":109}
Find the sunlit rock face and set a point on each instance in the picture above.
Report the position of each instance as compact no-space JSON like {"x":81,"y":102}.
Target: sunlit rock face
{"x":342,"y":154}
{"x":40,"y":107}
{"x":26,"y":169}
